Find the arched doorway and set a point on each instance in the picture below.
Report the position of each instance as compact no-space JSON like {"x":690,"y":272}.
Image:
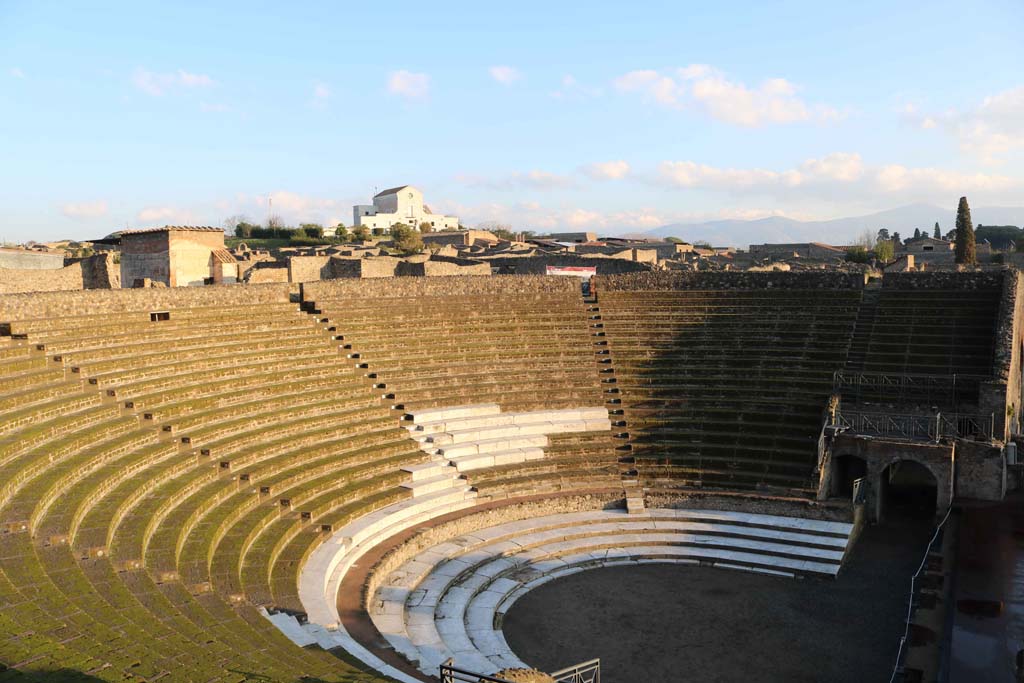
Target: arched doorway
{"x":845,"y":470}
{"x":908,"y":489}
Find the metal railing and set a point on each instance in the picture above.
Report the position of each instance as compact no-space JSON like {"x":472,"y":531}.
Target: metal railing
{"x":584,"y":672}
{"x":917,"y":427}
{"x":948,"y":390}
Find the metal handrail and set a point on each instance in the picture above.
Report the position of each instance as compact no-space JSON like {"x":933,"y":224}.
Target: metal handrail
{"x":584,"y":672}
{"x":930,"y":427}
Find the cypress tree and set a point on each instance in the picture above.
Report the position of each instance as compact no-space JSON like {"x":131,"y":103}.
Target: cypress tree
{"x":964,"y":235}
{"x":938,"y":233}
{"x":917,"y":233}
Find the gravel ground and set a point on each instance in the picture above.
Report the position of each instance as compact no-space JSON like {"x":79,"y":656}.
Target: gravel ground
{"x":668,"y":623}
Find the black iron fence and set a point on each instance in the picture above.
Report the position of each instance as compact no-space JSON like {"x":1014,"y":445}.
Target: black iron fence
{"x":943,"y":390}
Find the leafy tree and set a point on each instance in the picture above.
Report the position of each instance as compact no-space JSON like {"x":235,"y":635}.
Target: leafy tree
{"x":884,"y":251}
{"x":341,"y":231}
{"x":999,"y":236}
{"x":674,"y":240}
{"x":378,"y":232}
{"x":275,"y":222}
{"x":360,"y":233}
{"x":883,"y":234}
{"x":314,"y":230}
{"x":503,"y":234}
{"x":938,"y":232}
{"x":426,"y":227}
{"x":896,"y":239}
{"x":965,"y":253}
{"x":406,"y":239}
{"x":857,"y":254}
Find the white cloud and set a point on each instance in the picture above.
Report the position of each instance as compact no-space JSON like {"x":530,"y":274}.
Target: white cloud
{"x":506,"y":75}
{"x":165,"y":215}
{"x":607,"y":170}
{"x":651,"y":85}
{"x":704,"y":88}
{"x":16,"y":72}
{"x":321,"y":92}
{"x":84,"y":210}
{"x":410,"y":85}
{"x":159,"y":84}
{"x":991,"y":131}
{"x":839,"y":174}
{"x":214,"y":107}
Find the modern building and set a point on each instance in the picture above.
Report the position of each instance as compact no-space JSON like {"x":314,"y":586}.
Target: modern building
{"x":177,"y":256}
{"x":403,"y":204}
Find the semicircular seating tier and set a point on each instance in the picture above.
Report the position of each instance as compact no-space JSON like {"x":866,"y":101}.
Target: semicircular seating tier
{"x":194,"y":481}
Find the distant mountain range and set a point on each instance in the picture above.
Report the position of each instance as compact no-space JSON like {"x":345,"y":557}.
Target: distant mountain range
{"x":742,"y":233}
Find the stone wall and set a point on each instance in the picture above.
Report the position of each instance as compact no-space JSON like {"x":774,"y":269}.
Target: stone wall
{"x":669,"y":280}
{"x":879,"y":453}
{"x":537,"y":264}
{"x":100,"y":272}
{"x":14,"y":281}
{"x":980,"y":470}
{"x":266,"y":272}
{"x":308,"y":268}
{"x":21,"y":259}
{"x":472,"y":285}
{"x":972,"y":280}
{"x":100,"y":301}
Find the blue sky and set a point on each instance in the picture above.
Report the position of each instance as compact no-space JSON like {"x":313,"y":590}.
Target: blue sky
{"x":614,"y":117}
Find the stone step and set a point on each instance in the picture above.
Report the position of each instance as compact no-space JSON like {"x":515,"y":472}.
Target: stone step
{"x":440,"y":414}
{"x":442,"y":482}
{"x":459,"y":450}
{"x":428,"y":470}
{"x":497,"y":458}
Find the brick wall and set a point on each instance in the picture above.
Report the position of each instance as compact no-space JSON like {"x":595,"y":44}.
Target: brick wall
{"x":439,"y":286}
{"x":668,"y":280}
{"x":98,"y":301}
{"x":308,"y":268}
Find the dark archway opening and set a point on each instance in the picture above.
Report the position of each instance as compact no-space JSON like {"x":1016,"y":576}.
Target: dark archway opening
{"x":909,"y":490}
{"x":845,"y":470}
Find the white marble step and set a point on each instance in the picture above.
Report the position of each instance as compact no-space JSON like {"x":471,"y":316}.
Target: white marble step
{"x":290,"y":626}
{"x":511,"y":456}
{"x":491,"y":445}
{"x":486,"y":421}
{"x":454,"y":412}
{"x":428,"y":470}
{"x":435,"y":484}
{"x":443,"y":601}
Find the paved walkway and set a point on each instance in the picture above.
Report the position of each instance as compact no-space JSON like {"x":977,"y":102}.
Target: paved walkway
{"x":990,"y":571}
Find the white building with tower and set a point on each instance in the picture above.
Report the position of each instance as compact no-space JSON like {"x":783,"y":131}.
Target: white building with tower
{"x":402,"y":204}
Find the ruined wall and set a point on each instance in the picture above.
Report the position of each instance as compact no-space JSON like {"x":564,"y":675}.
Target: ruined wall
{"x":265,"y":272}
{"x":20,"y":259}
{"x":439,"y":286}
{"x":537,"y":265}
{"x":308,"y":268}
{"x":668,"y":280}
{"x":980,"y":470}
{"x":40,"y":280}
{"x":946,"y":280}
{"x":100,"y":272}
{"x":100,"y":301}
